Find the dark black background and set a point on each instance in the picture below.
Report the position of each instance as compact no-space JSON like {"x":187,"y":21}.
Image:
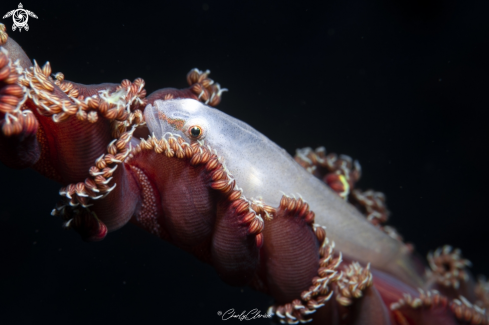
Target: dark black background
{"x":399,"y":85}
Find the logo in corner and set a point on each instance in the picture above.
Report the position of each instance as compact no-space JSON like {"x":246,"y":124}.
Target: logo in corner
{"x":20,"y":17}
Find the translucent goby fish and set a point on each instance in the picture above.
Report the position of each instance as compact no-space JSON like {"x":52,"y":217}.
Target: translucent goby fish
{"x":264,"y":170}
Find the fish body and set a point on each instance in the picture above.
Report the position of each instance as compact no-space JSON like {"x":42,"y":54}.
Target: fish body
{"x":264,"y":171}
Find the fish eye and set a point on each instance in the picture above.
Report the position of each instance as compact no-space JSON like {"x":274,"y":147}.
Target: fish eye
{"x":195,"y":132}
